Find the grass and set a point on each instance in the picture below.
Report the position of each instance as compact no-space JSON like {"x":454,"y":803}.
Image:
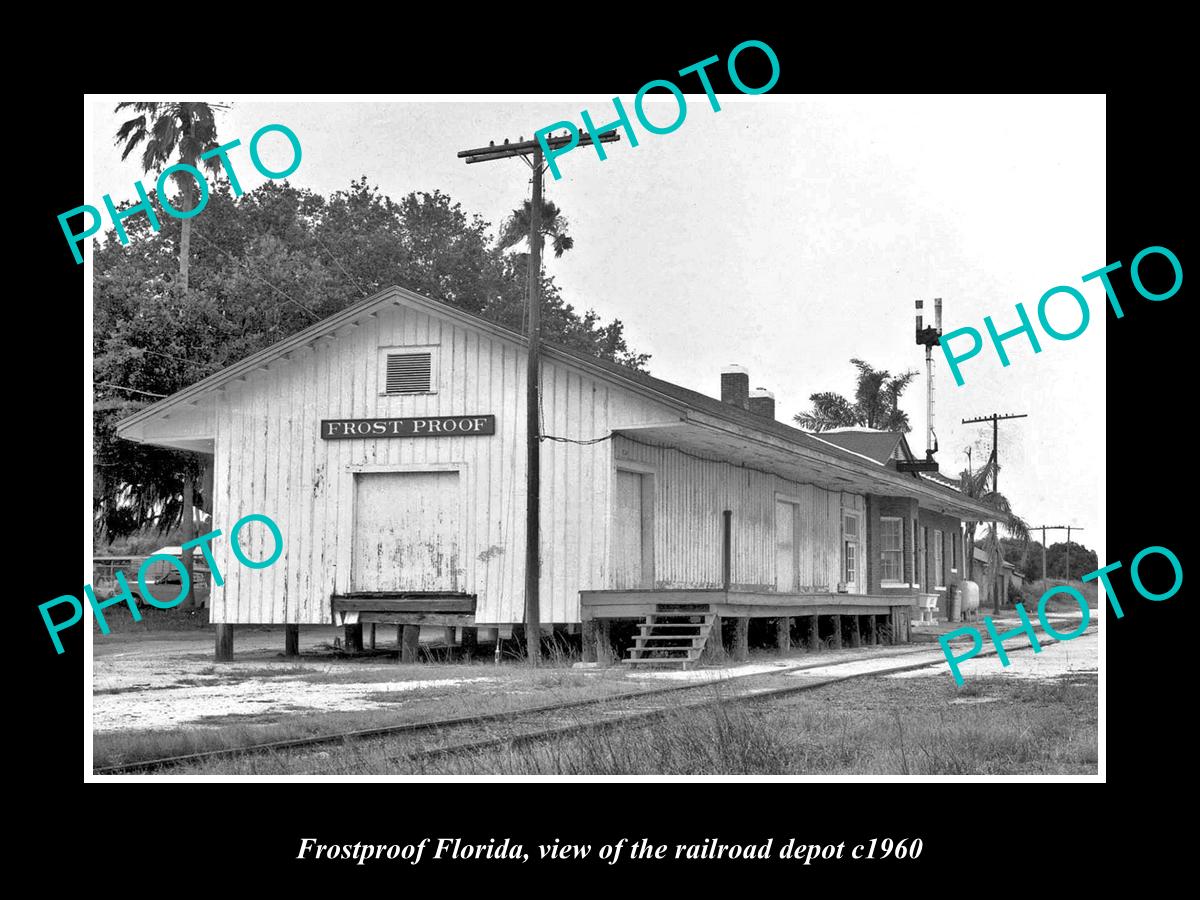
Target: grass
{"x":178,"y":618}
{"x":507,"y":688}
{"x":872,"y":726}
{"x":1031,"y":594}
{"x":907,"y":726}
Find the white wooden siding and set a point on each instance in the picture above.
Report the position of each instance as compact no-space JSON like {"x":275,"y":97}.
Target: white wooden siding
{"x":407,"y":531}
{"x":270,"y":459}
{"x":690,"y":497}
{"x":627,"y":532}
{"x":785,"y":546}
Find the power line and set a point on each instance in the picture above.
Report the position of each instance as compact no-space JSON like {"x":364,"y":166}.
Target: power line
{"x":254,"y":274}
{"x":563,"y":440}
{"x":338,"y":262}
{"x":533,"y":403}
{"x":123,"y":388}
{"x":184,"y":359}
{"x":1068,"y":529}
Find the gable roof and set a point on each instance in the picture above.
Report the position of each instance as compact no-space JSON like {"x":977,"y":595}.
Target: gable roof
{"x":981,"y":555}
{"x":602,"y":368}
{"x":878,"y":445}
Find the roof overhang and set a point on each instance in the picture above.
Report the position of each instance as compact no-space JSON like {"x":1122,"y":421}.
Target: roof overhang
{"x":722,"y":441}
{"x":729,"y":435}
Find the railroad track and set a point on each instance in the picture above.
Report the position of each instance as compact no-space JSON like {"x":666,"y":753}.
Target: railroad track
{"x":423,"y":741}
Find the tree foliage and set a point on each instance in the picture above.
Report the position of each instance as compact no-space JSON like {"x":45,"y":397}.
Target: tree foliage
{"x":1028,"y":559}
{"x":978,"y":486}
{"x":876,"y":403}
{"x":169,"y":133}
{"x":264,"y":266}
{"x":552,"y":224}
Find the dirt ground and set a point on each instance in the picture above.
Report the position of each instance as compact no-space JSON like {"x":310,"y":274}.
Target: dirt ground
{"x":169,"y":681}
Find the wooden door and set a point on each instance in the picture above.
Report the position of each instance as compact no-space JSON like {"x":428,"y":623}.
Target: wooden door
{"x":406,"y":532}
{"x":631,"y":533}
{"x":785,"y":547}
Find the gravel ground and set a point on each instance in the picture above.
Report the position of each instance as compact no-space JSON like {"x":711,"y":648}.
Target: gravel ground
{"x":171,"y":681}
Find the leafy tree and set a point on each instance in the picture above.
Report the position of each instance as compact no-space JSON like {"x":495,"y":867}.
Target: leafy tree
{"x":977,"y":486}
{"x":170,"y":133}
{"x":264,"y":266}
{"x":1028,"y":560}
{"x":876,"y":403}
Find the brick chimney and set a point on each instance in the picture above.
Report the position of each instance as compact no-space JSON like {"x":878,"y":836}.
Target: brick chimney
{"x":762,"y":403}
{"x":735,"y":386}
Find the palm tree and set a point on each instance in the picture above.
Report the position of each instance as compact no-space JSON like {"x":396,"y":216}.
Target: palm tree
{"x":977,"y":486}
{"x":876,"y":403}
{"x":553,"y":225}
{"x":169,"y":133}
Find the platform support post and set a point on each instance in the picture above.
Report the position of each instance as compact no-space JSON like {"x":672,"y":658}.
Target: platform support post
{"x":783,"y":636}
{"x":741,"y":639}
{"x":590,"y":627}
{"x":224,"y":643}
{"x":470,"y":642}
{"x":410,"y":643}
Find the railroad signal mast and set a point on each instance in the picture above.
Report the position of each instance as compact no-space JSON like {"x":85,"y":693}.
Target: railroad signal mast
{"x":929,"y":337}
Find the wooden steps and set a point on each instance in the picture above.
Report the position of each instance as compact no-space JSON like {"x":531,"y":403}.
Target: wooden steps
{"x":675,"y":634}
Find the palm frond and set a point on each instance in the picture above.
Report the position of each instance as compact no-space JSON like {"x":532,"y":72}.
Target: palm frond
{"x":562,"y":243}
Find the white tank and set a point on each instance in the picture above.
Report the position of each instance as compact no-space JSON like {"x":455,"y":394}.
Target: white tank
{"x":970,"y":599}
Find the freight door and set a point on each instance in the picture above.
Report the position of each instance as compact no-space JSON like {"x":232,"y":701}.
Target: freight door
{"x":406,"y":532}
{"x":785,"y":547}
{"x":633,"y":543}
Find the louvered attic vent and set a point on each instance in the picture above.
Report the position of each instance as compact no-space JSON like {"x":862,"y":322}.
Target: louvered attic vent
{"x":409,"y":373}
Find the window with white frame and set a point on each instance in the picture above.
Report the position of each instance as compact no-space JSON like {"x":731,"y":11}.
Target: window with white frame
{"x":939,"y":556}
{"x":891,"y":549}
{"x":850,"y":550}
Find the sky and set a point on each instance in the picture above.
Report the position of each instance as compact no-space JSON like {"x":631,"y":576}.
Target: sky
{"x":786,"y":234}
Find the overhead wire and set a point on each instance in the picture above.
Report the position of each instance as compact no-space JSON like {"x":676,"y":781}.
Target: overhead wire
{"x":254,"y":274}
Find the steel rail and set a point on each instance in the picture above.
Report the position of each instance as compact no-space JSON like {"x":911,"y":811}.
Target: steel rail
{"x":460,"y":722}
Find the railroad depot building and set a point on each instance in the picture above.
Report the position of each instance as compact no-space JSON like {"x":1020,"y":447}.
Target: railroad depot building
{"x":388,"y":444}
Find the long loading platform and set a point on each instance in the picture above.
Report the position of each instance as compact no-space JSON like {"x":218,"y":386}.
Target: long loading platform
{"x":685,"y":626}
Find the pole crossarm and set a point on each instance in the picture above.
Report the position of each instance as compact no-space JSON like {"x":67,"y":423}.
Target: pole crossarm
{"x":520,"y":148}
{"x":996,"y":416}
{"x":995,"y":419}
{"x":533,"y":403}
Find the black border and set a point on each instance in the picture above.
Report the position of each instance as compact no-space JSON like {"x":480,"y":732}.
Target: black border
{"x":969,"y":829}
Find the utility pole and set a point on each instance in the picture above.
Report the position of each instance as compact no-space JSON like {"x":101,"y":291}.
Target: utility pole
{"x":995,"y":419}
{"x":533,"y":404}
{"x":1043,"y":529}
{"x":1070,"y":528}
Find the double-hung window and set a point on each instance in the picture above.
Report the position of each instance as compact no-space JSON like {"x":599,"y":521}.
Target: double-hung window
{"x":850,"y":557}
{"x":891,"y":550}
